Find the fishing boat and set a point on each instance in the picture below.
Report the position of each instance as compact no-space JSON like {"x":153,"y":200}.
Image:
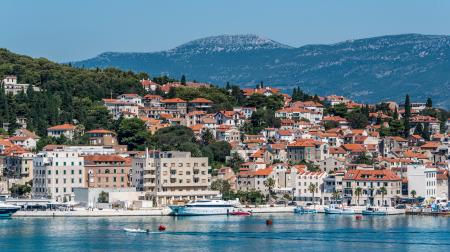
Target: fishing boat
{"x":302,"y":210}
{"x":374,"y":211}
{"x":204,"y":207}
{"x":337,"y":209}
{"x":6,"y":210}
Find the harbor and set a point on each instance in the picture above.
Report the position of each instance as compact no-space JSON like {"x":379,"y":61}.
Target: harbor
{"x":289,"y":232}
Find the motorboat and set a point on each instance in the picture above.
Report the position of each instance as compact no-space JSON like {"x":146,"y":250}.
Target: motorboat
{"x":205,"y":207}
{"x":374,"y":211}
{"x":240,"y":213}
{"x":302,"y":210}
{"x":338,"y":209}
{"x":6,"y":210}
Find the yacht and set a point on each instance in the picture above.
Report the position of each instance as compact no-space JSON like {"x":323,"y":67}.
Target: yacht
{"x":6,"y":210}
{"x":205,"y":207}
{"x":337,"y":209}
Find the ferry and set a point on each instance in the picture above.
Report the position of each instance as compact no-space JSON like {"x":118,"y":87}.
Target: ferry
{"x":337,"y":209}
{"x":205,"y":207}
{"x":6,"y":210}
{"x":374,"y":211}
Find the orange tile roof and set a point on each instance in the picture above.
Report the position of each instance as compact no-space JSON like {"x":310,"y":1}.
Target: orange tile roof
{"x":173,"y":100}
{"x":100,"y":131}
{"x":201,"y":100}
{"x":304,"y":143}
{"x":371,"y":175}
{"x":354,"y":147}
{"x":65,"y":126}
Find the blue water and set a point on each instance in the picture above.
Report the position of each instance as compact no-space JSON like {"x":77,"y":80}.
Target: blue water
{"x":289,"y":232}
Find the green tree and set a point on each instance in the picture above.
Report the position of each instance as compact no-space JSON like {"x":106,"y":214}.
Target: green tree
{"x":312,"y":189}
{"x":235,"y":161}
{"x":183,"y":80}
{"x":103,"y":197}
{"x":223,"y":186}
{"x":358,"y":192}
{"x":358,"y":119}
{"x":207,"y":137}
{"x":383,"y":192}
{"x":133,"y":133}
{"x":429,"y":103}
{"x":407,"y":116}
{"x":269,"y":183}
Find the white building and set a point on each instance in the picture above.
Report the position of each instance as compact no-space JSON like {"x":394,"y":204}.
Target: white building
{"x":12,"y":87}
{"x":416,"y":179}
{"x":172,"y":176}
{"x":56,"y":173}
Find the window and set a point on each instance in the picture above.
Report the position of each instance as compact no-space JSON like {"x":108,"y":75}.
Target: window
{"x":64,"y":189}
{"x":72,"y":172}
{"x":73,"y":180}
{"x":79,"y":172}
{"x":65,"y":165}
{"x":64,"y":172}
{"x":56,"y":172}
{"x":114,"y":179}
{"x":49,"y":172}
{"x":122,"y":179}
{"x":64,"y":181}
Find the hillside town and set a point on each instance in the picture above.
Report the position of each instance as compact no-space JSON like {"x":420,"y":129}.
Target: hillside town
{"x":312,"y":150}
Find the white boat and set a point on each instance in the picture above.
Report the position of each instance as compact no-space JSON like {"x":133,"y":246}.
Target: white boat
{"x":205,"y":207}
{"x":374,"y":211}
{"x":6,"y":210}
{"x":337,"y":209}
{"x":134,"y":230}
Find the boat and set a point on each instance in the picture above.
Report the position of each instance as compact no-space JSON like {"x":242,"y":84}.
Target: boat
{"x":337,"y":209}
{"x":302,"y":210}
{"x":134,"y":230}
{"x":374,"y":211}
{"x":204,"y":207}
{"x":240,"y":213}
{"x":6,"y":210}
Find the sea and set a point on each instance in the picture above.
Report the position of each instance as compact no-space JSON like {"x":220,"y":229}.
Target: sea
{"x":288,"y":232}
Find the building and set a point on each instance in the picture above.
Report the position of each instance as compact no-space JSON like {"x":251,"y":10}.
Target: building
{"x":102,"y":137}
{"x":56,"y":174}
{"x":307,"y":150}
{"x":371,"y":183}
{"x":20,"y":166}
{"x":168,"y":177}
{"x":107,"y":171}
{"x":175,"y":106}
{"x":12,"y":87}
{"x":303,"y":188}
{"x":66,"y":130}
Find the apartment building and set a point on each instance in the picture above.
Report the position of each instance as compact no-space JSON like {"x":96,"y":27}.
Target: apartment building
{"x":371,"y":183}
{"x":172,"y":176}
{"x":107,"y":171}
{"x":56,"y":174}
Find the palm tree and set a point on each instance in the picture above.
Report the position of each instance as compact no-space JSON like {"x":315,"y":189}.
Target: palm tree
{"x":269,"y":183}
{"x":413,"y":194}
{"x":312,"y":189}
{"x":383,"y":192}
{"x":358,"y":192}
{"x":336,"y":195}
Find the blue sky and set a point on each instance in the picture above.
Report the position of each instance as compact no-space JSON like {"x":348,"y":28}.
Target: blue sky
{"x":74,"y":30}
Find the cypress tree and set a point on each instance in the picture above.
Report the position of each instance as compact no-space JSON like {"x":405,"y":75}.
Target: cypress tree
{"x":429,"y":103}
{"x":183,"y":80}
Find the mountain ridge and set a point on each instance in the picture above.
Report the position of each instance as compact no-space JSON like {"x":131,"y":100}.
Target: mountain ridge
{"x":370,"y":69}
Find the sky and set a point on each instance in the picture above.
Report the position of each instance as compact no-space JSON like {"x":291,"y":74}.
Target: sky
{"x":74,"y":30}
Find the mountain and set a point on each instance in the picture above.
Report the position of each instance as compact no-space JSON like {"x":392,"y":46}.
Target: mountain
{"x":367,"y":70}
